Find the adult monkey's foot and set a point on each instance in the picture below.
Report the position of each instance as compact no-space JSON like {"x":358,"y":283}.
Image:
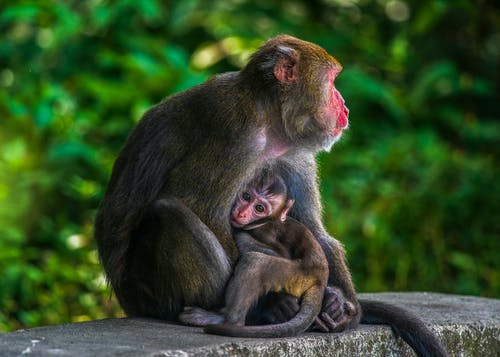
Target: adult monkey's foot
{"x":337,"y":313}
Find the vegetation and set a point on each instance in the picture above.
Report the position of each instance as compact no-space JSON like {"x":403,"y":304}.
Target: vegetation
{"x":413,"y":189}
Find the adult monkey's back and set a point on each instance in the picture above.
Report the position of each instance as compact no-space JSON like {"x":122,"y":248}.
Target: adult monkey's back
{"x":163,"y":228}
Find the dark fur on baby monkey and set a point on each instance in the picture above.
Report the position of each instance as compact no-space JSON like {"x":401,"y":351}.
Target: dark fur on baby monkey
{"x":277,"y":254}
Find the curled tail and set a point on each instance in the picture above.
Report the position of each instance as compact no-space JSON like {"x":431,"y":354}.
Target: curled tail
{"x":309,"y":309}
{"x":405,"y":324}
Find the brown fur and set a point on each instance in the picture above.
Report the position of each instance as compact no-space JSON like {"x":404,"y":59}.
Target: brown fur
{"x":277,"y":254}
{"x":299,"y":268}
{"x":162,"y":229}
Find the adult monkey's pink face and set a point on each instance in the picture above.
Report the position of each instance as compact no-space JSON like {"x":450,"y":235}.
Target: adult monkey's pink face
{"x":336,"y":105}
{"x":334,"y":113}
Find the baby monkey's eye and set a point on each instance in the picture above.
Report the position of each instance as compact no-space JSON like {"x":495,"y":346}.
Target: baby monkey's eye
{"x":246,"y":196}
{"x":260,"y":208}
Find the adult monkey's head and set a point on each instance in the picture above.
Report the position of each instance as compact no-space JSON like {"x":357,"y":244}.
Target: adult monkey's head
{"x":298,"y":80}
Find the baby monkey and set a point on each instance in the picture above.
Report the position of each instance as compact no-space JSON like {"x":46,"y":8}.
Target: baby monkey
{"x":277,"y":254}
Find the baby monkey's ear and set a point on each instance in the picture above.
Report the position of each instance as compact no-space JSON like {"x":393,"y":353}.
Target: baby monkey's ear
{"x":287,"y":207}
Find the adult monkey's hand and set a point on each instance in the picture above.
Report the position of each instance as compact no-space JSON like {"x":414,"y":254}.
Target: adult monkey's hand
{"x":336,"y":314}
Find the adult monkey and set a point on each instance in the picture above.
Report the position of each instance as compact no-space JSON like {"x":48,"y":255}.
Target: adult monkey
{"x":162,"y":229}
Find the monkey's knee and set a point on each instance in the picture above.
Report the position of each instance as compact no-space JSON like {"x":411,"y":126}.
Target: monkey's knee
{"x":170,"y":208}
{"x":190,"y":254}
{"x":180,"y":225}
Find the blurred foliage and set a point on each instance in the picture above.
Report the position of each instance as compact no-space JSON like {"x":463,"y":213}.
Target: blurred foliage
{"x":412,"y":190}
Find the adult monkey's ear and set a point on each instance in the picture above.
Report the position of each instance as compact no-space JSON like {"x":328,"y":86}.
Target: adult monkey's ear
{"x":285,"y":68}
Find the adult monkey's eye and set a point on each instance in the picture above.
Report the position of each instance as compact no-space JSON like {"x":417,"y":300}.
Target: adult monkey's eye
{"x":246,"y":196}
{"x":260,"y":208}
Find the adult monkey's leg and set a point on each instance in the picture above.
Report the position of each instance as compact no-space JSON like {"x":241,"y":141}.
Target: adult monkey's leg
{"x":178,"y":262}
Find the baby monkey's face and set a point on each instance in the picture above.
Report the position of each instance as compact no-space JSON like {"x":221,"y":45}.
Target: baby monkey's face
{"x":252,"y":205}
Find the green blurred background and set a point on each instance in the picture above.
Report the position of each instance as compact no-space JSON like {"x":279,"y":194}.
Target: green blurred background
{"x":412,"y":190}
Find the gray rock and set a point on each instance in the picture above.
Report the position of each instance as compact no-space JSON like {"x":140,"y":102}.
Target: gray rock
{"x":468,"y":326}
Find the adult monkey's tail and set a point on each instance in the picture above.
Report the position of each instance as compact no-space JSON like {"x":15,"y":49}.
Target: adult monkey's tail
{"x":405,"y":324}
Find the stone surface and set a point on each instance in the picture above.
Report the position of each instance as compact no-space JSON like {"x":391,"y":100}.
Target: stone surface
{"x":468,"y":326}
